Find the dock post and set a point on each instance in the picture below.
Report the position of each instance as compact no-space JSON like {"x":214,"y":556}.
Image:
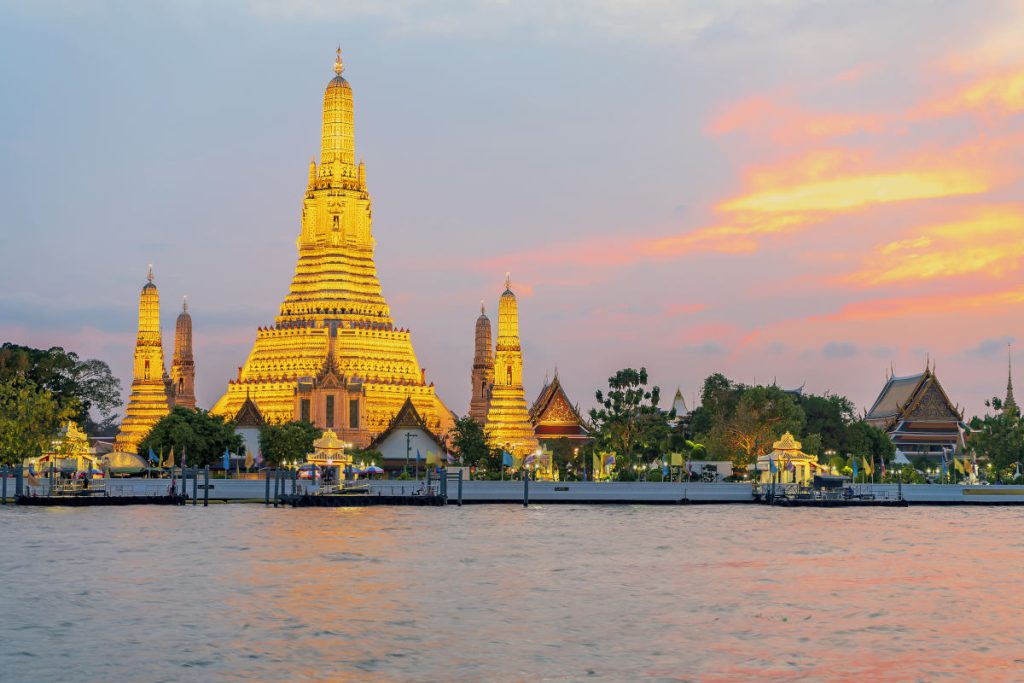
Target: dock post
{"x":206,"y":486}
{"x":277,"y":485}
{"x":295,"y":481}
{"x":19,"y":478}
{"x":526,"y":489}
{"x":460,"y":487}
{"x":266,"y":495}
{"x":195,"y":486}
{"x":3,"y":475}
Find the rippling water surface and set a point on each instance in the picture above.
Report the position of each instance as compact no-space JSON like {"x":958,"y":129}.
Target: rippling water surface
{"x":559,"y":593}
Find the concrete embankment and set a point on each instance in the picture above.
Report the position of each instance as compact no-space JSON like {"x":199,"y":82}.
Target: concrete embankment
{"x":540,"y":492}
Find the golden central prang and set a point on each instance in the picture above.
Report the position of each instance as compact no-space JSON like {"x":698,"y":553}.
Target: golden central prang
{"x":334,"y":356}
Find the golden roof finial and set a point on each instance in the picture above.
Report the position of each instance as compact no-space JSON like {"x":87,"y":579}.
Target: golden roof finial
{"x":149,"y":275}
{"x":338,"y":66}
{"x":184,"y":304}
{"x":508,"y":280}
{"x":481,"y":306}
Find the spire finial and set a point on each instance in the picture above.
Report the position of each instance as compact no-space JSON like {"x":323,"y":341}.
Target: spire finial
{"x":338,"y":66}
{"x":184,"y":304}
{"x":481,"y":306}
{"x":508,"y":280}
{"x":149,"y":275}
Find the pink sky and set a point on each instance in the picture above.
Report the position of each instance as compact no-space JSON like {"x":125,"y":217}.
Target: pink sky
{"x":799,"y":192}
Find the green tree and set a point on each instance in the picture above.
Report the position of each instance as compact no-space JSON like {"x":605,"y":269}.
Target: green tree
{"x":761,"y":416}
{"x":204,"y":437}
{"x":827,"y":416}
{"x":86,"y":387}
{"x":999,"y":437}
{"x":628,"y":420}
{"x":469,"y":442}
{"x":29,"y":419}
{"x":288,"y":442}
{"x":864,"y":440}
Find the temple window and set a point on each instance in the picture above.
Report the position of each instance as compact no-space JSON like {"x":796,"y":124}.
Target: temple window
{"x":509,"y":374}
{"x":337,"y":226}
{"x":353,"y":413}
{"x":329,"y":409}
{"x":304,"y":410}
{"x":146,"y":372}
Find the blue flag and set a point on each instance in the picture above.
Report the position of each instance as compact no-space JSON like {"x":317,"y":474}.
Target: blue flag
{"x":418,"y":456}
{"x":506,"y":459}
{"x":152,"y":455}
{"x":772,"y":469}
{"x":227,"y":460}
{"x":664,"y":471}
{"x":855,"y":468}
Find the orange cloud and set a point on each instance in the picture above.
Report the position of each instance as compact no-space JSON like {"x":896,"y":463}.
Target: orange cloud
{"x":879,"y":309}
{"x":787,"y":124}
{"x":1001,"y":94}
{"x":854,"y":192}
{"x":990,"y":242}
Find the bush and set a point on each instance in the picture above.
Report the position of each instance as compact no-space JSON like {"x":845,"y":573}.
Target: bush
{"x":654,"y":475}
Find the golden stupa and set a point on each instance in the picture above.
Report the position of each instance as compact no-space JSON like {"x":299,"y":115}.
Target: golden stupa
{"x":333,"y":355}
{"x":151,"y":395}
{"x":508,"y":423}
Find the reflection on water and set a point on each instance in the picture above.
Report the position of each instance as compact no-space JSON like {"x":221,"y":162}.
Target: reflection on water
{"x":559,"y":593}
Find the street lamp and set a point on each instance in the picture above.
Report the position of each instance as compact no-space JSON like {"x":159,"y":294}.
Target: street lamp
{"x":409,"y":436}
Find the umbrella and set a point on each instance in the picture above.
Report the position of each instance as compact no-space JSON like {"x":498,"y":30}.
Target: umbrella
{"x":373,"y":469}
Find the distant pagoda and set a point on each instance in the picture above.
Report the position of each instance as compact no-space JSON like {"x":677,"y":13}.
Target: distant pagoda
{"x":152,"y":393}
{"x":333,"y":355}
{"x":508,"y":423}
{"x":482,"y":376}
{"x":183,"y":367}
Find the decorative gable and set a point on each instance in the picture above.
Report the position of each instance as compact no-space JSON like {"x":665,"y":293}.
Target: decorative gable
{"x":931,"y":404}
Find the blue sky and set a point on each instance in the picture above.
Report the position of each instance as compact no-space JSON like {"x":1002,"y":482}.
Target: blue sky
{"x":806,"y":191}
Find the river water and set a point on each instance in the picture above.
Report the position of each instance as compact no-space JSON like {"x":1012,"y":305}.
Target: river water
{"x":552,"y":593}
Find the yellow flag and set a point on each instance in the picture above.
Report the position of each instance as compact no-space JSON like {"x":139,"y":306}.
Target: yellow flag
{"x":967,"y":467}
{"x":248,"y":459}
{"x":958,"y":465}
{"x":868,"y":469}
{"x":170,"y":459}
{"x":433,"y":458}
{"x":676,"y":459}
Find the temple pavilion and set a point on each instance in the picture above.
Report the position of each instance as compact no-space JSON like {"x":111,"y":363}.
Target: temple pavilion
{"x":334,"y":355}
{"x":792,"y":465}
{"x":918,"y":416}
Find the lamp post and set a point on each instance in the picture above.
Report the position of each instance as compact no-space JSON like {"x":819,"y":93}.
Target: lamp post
{"x":409,"y":436}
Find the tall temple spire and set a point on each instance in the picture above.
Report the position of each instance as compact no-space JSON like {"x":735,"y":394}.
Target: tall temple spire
{"x":482,"y":376}
{"x":183,"y":368}
{"x":508,"y":419}
{"x":150,"y":393}
{"x":337,"y":145}
{"x":1010,"y":404}
{"x":335,"y":306}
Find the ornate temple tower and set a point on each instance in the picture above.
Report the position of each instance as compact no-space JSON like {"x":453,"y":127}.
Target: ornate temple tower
{"x":335,"y":309}
{"x":183,"y":368}
{"x":483,"y":369}
{"x":1010,"y":403}
{"x":150,"y":397}
{"x":508,"y":420}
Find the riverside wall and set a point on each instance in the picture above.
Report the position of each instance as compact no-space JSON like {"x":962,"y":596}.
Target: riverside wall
{"x":511,"y":492}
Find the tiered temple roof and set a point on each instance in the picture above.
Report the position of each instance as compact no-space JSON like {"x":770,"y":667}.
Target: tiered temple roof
{"x":554,"y":416}
{"x":918,"y":415}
